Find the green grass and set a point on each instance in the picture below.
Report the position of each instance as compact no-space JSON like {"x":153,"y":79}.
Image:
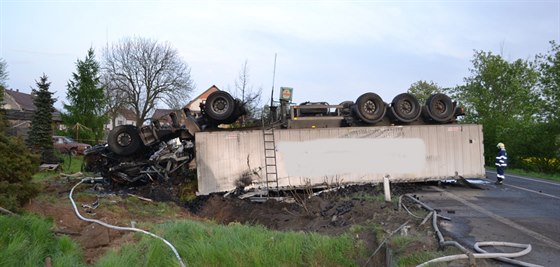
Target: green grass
{"x":553,"y":177}
{"x":137,"y":207}
{"x":422,"y":256}
{"x":417,"y":258}
{"x":72,"y":164}
{"x":208,"y":244}
{"x":69,"y":166}
{"x":27,"y":241}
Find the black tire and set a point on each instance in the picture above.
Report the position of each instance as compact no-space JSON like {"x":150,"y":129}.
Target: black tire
{"x":406,"y":107}
{"x":219,"y":106}
{"x":238,"y":111}
{"x":370,"y":108}
{"x":440,"y":108}
{"x":73,"y":152}
{"x":124,"y":140}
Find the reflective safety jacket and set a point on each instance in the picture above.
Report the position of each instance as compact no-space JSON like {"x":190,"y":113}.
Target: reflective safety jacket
{"x":501,"y":159}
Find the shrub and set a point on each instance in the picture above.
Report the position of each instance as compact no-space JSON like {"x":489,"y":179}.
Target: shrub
{"x":541,"y":164}
{"x":17,"y":166}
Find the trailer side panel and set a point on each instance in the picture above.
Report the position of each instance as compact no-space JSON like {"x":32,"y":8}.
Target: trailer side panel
{"x":328,"y":156}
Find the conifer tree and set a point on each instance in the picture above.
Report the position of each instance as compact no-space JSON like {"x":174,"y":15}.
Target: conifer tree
{"x":86,"y":97}
{"x":39,"y":138}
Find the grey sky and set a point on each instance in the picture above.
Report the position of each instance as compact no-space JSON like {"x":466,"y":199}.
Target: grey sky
{"x":327,"y":50}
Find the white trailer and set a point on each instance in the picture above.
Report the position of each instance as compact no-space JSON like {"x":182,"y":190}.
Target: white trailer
{"x":299,"y":158}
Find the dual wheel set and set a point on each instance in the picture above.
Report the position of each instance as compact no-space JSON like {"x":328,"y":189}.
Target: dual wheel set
{"x":221,"y":108}
{"x":404,"y":108}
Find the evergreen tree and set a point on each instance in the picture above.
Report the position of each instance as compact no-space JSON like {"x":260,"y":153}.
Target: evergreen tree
{"x":39,"y":138}
{"x":17,"y":164}
{"x":86,"y":97}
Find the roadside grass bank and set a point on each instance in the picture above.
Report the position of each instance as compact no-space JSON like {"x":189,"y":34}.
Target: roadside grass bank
{"x":28,"y":240}
{"x":521,"y":172}
{"x":210,"y":244}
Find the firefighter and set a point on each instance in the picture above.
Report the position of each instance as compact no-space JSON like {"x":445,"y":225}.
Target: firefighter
{"x":501,"y":163}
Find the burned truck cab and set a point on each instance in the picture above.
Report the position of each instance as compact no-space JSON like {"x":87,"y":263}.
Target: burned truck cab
{"x":157,"y":151}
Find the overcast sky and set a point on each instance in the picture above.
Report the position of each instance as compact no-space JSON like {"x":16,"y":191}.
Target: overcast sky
{"x":326,"y":50}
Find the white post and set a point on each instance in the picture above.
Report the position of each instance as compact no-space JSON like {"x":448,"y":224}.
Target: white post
{"x":387,"y":188}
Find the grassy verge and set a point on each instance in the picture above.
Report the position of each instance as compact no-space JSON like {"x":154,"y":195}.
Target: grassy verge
{"x":208,"y":244}
{"x":553,"y":177}
{"x":27,"y":241}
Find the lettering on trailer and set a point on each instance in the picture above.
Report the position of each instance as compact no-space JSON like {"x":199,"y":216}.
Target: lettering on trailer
{"x":393,"y":132}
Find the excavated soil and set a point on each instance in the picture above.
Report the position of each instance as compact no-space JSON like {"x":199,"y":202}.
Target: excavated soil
{"x":331,"y":213}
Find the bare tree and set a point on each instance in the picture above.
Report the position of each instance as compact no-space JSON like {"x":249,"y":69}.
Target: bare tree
{"x":114,"y":98}
{"x":249,"y":96}
{"x":145,"y":73}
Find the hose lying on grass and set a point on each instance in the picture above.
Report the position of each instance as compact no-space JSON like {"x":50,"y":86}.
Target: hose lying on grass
{"x":505,"y":257}
{"x":133,"y":229}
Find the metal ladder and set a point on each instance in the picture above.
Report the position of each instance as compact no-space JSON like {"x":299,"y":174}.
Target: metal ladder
{"x":271,"y":170}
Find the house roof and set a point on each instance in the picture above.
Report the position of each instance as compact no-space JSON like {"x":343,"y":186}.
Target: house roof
{"x":158,"y":113}
{"x":204,"y":94}
{"x":24,"y":100}
{"x":127,"y":114}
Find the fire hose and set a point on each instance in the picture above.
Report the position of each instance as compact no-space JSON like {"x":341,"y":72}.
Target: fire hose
{"x":119,"y":228}
{"x":505,"y":257}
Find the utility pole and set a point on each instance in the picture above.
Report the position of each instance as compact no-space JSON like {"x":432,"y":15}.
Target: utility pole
{"x":272,"y":107}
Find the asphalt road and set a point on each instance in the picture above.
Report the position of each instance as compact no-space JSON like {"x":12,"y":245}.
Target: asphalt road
{"x":523,"y":210}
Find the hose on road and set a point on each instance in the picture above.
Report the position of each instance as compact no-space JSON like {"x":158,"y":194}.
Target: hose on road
{"x":119,"y":228}
{"x":505,"y":257}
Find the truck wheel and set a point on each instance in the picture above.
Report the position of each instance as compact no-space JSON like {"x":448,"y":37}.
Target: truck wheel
{"x":440,"y":107}
{"x":406,"y":107}
{"x":219,"y":105}
{"x":370,"y":108}
{"x":124,"y":140}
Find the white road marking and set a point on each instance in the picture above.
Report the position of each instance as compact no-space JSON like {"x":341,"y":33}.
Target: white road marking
{"x":533,"y":191}
{"x":501,"y":219}
{"x":530,"y":179}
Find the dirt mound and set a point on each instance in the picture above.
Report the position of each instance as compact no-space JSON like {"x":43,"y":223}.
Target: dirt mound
{"x":329,"y":213}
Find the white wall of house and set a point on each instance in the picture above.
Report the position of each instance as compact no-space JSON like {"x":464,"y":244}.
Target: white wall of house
{"x":119,"y":120}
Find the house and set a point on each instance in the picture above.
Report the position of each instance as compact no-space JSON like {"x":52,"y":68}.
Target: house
{"x":161,"y":115}
{"x":123,"y":116}
{"x":194,"y":105}
{"x":19,"y":109}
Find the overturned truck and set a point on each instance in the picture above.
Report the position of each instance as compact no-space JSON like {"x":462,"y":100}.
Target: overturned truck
{"x":306,"y":145}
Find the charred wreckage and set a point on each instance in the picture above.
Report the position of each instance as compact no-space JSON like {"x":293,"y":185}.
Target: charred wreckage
{"x":158,"y":152}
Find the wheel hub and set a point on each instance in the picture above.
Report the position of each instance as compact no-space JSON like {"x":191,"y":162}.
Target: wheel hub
{"x":124,"y":139}
{"x":369,"y":107}
{"x":440,"y":107}
{"x":220,"y":106}
{"x":406,"y":107}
